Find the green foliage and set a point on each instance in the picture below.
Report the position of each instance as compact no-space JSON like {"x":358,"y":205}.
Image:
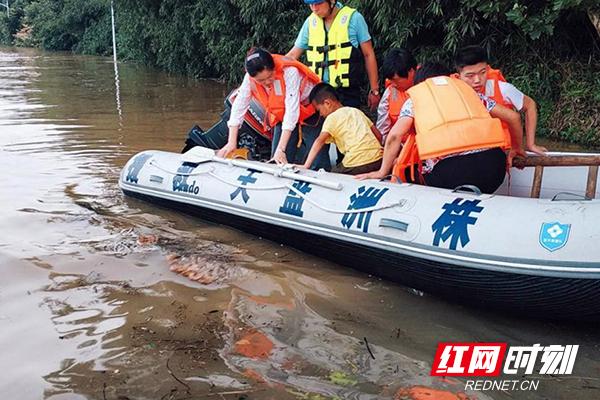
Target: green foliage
{"x":204,"y":37}
{"x":448,"y":24}
{"x":5,"y":35}
{"x":77,"y":25}
{"x":568,"y":97}
{"x":548,"y":48}
{"x":9,"y":25}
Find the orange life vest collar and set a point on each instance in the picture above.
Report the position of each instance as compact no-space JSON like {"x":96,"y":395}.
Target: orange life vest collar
{"x":273,"y":98}
{"x":396,"y":100}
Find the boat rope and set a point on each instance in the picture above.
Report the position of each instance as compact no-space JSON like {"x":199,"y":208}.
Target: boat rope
{"x":211,"y":170}
{"x":346,"y":211}
{"x":176,"y":173}
{"x":235,"y":184}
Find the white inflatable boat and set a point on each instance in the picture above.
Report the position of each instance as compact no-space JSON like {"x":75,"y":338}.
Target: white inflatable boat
{"x":538,"y":256}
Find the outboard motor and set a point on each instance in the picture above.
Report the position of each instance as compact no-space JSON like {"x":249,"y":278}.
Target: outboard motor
{"x":253,"y":135}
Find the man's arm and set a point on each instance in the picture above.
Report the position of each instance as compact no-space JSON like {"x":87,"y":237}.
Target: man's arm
{"x":301,"y":43}
{"x":513,"y":119}
{"x":531,"y":117}
{"x":316,"y":147}
{"x":295,"y":53}
{"x":393,"y":143}
{"x":371,"y":67}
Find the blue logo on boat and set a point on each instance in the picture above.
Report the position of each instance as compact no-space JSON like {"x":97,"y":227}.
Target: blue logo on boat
{"x":136,"y":166}
{"x":454,"y":222}
{"x":554,"y":235}
{"x":364,"y":198}
{"x":292,"y":204}
{"x":245,"y":180}
{"x":180,"y":181}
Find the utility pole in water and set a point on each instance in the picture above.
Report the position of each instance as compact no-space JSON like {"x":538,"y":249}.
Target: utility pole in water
{"x":112,"y":18}
{"x":7,"y":8}
{"x":117,"y":86}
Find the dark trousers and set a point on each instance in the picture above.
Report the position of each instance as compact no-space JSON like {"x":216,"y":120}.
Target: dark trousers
{"x":484,"y":169}
{"x":359,"y":169}
{"x":311,"y":128}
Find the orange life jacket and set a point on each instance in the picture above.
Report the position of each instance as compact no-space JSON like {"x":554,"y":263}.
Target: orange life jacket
{"x":273,"y":99}
{"x":449,"y":118}
{"x":495,"y":75}
{"x":395,"y":101}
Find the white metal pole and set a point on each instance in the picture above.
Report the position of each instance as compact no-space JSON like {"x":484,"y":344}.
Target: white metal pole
{"x":117,"y":86}
{"x":112,"y":17}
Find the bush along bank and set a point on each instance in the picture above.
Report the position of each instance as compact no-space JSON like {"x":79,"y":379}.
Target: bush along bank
{"x":550,"y":49}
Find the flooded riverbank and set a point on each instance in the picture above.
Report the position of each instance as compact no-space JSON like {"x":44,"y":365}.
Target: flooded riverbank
{"x":89,"y":308}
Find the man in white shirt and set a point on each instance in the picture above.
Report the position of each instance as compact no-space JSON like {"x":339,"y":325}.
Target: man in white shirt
{"x":472,"y":66}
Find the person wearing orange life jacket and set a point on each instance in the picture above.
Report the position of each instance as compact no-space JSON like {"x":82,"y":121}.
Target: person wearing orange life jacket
{"x":456,"y":137}
{"x":471,"y":63}
{"x":283,"y":86}
{"x":398,"y":69}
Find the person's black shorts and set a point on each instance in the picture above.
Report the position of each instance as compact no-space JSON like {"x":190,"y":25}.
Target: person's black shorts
{"x":485,"y":169}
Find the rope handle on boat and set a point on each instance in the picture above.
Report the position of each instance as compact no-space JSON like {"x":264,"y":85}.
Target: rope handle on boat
{"x":467,"y":189}
{"x":210,"y":172}
{"x":235,"y":184}
{"x":287,"y":171}
{"x":177,"y":173}
{"x":277,"y":173}
{"x":345,"y":211}
{"x":308,"y":199}
{"x":574,"y":196}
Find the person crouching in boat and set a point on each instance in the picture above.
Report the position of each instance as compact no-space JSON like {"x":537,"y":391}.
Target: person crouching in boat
{"x":458,"y":138}
{"x":350,"y":129}
{"x":283,"y":86}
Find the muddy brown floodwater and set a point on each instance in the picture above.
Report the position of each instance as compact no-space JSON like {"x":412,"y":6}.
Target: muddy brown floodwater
{"x":91,"y":309}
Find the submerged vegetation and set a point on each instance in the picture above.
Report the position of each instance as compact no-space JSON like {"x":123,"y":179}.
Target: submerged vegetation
{"x":550,"y":49}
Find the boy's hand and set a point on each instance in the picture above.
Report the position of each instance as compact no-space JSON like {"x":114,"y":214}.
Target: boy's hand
{"x":541,"y":150}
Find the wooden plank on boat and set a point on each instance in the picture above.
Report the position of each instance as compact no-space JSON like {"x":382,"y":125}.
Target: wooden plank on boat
{"x":557,"y":161}
{"x":536,"y":187}
{"x":592,"y":179}
{"x":539,"y":162}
